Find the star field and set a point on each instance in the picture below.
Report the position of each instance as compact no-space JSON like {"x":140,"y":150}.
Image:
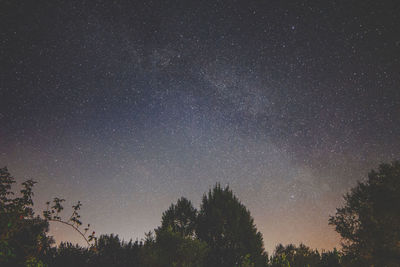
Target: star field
{"x":128,"y":105}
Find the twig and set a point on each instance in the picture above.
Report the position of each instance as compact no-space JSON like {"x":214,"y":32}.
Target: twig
{"x":74,"y":227}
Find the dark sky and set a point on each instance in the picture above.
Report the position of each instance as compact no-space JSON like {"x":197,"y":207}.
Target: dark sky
{"x":128,"y":105}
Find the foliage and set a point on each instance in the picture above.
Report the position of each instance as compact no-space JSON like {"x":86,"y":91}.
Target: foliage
{"x":279,"y":261}
{"x":331,"y":258}
{"x":294,"y":256}
{"x":171,"y":248}
{"x":246,"y":261}
{"x":108,"y":251}
{"x":181,"y":217}
{"x":67,"y":254}
{"x":23,"y":239}
{"x":53,"y":214}
{"x":23,"y":236}
{"x":369,"y":222}
{"x":227,"y":227}
{"x":111,"y":251}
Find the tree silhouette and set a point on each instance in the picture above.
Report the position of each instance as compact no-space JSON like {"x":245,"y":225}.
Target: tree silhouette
{"x":174,"y":243}
{"x":331,"y":259}
{"x":53,"y":214}
{"x":227,"y":227}
{"x":181,"y":217}
{"x":170,"y":248}
{"x":23,"y":239}
{"x":295,"y":256}
{"x":67,"y":254}
{"x":23,"y":235}
{"x":111,"y":251}
{"x":369,"y":222}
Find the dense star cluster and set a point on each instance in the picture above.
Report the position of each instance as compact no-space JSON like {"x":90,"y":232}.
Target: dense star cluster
{"x":129,"y":105}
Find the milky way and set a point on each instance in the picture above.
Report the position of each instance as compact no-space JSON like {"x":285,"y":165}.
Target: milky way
{"x":127,"y":106}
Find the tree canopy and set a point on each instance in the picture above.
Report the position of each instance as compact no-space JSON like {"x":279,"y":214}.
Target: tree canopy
{"x":23,"y":238}
{"x":369,"y":222}
{"x":181,"y":217}
{"x":227,"y":227}
{"x":294,"y":256}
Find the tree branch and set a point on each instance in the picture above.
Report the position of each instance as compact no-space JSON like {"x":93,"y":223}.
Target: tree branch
{"x":74,"y":227}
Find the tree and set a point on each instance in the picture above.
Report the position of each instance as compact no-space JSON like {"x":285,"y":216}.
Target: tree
{"x":228,"y":228}
{"x":295,"y":256}
{"x":171,"y":248}
{"x":181,"y":217}
{"x":111,"y":251}
{"x":23,"y":236}
{"x":174,"y":243}
{"x":53,"y":214}
{"x":279,"y":261}
{"x":369,"y":222}
{"x":67,"y":254}
{"x":331,"y":258}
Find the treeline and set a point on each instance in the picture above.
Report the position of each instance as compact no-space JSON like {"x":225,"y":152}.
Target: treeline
{"x":111,"y":251}
{"x":220,"y":233}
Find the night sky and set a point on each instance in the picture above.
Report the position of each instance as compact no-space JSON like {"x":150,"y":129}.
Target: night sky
{"x":129,"y":105}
